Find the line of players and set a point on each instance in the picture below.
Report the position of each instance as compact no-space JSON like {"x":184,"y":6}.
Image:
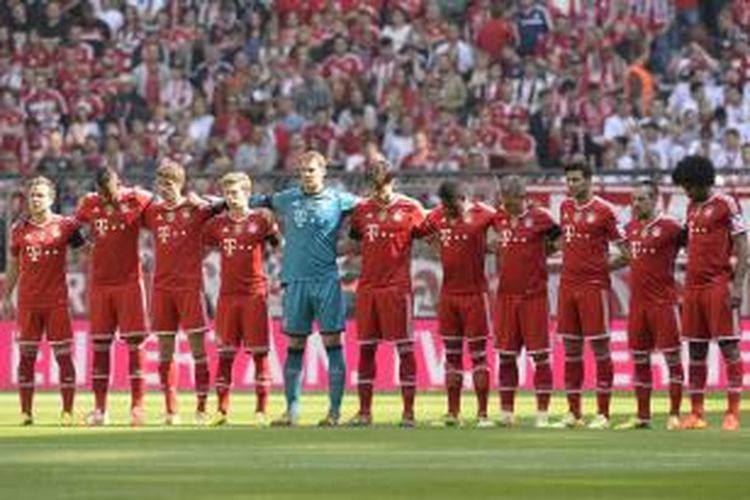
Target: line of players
{"x":384,"y":225}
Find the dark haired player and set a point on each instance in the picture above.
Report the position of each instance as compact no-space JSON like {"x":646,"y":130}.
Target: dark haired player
{"x":713,"y":286}
{"x":588,"y":225}
{"x":385,"y":224}
{"x":116,"y":296}
{"x":653,"y":241}
{"x":460,"y":228}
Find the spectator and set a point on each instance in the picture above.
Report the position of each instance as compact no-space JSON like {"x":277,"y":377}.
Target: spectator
{"x":423,"y":157}
{"x":312,"y":94}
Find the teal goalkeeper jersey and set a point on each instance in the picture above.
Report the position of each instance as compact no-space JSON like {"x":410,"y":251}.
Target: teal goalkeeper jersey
{"x":310,"y":226}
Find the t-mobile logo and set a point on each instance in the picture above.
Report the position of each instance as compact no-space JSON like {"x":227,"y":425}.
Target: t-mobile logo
{"x":506,"y":235}
{"x":163,"y":234}
{"x":34,"y":253}
{"x":372,"y":232}
{"x":101,"y":226}
{"x":445,"y":236}
{"x":569,"y":232}
{"x":229,"y":245}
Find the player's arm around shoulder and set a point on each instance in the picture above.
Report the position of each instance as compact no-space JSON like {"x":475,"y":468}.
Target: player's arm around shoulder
{"x":11,"y":279}
{"x":347,"y":202}
{"x":550,"y":227}
{"x":273,"y":233}
{"x":84,"y":207}
{"x":740,"y":251}
{"x":352,"y":245}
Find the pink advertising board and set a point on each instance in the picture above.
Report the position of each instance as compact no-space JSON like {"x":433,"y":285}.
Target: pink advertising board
{"x":429,"y":351}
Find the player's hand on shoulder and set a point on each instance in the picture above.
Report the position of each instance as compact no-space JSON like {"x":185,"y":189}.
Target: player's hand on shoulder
{"x":195,"y":200}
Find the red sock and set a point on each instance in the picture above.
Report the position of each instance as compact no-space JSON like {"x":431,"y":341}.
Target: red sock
{"x":67,"y":379}
{"x":101,"y":373}
{"x":480,"y":373}
{"x":454,"y":374}
{"x":366,"y":380}
{"x":224,"y":379}
{"x":167,"y":376}
{"x":508,"y":382}
{"x":202,"y":382}
{"x":543,"y":384}
{"x":604,"y":378}
{"x":407,"y":374}
{"x":698,"y":374}
{"x":574,"y":384}
{"x":676,"y":380}
{"x":734,"y":385}
{"x":135,"y":372}
{"x":26,"y":380}
{"x":262,"y":381}
{"x":643,"y":384}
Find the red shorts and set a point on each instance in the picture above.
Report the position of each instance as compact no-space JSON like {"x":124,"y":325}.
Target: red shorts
{"x":383,"y":314}
{"x":521,"y":321}
{"x":464,"y":315}
{"x":707,"y":314}
{"x":583,"y":312}
{"x":654,"y":326}
{"x":34,"y":323}
{"x":117,"y":308}
{"x":243,"y":320}
{"x":172,"y":310}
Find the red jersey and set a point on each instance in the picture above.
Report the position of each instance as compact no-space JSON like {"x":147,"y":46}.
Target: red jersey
{"x":45,"y":106}
{"x":345,"y":66}
{"x":522,"y":250}
{"x":517,"y":143}
{"x":586,"y":232}
{"x":42,"y":252}
{"x":115,"y":258}
{"x":653,"y":246}
{"x":319,"y":137}
{"x":463,"y":245}
{"x":241,"y":243}
{"x":711,"y":226}
{"x":386,"y":233}
{"x":177,"y":244}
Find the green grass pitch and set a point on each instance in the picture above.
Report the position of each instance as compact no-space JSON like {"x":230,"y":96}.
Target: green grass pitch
{"x":239,"y":461}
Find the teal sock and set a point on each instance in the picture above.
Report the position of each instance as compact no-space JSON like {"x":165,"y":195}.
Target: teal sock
{"x":336,"y":379}
{"x":293,"y":380}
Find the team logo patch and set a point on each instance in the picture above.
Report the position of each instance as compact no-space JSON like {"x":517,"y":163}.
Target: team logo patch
{"x":185,"y":213}
{"x":224,"y":229}
{"x":656,"y":232}
{"x":252,"y":228}
{"x":55,"y":232}
{"x":708,"y":211}
{"x":527,"y":222}
{"x":591,"y":218}
{"x":170,"y":216}
{"x":577,"y":217}
{"x":398,"y":216}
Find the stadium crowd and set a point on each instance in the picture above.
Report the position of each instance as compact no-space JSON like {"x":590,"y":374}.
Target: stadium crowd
{"x":437,"y":85}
